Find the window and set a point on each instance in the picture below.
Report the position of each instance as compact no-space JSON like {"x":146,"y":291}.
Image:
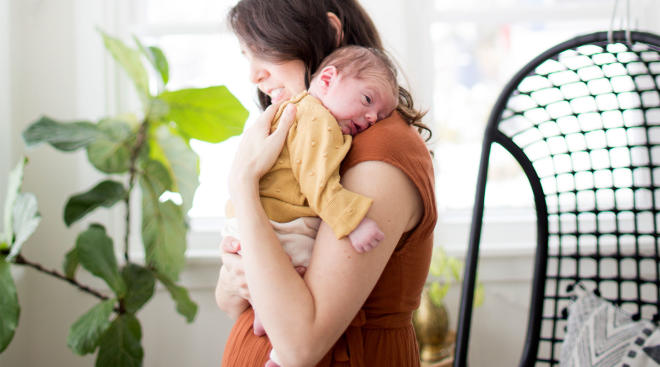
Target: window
{"x":475,"y":47}
{"x":202,"y":52}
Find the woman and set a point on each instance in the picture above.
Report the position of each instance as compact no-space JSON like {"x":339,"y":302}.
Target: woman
{"x":349,"y":309}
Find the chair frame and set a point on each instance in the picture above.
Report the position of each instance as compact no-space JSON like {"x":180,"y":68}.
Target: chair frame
{"x":494,"y":135}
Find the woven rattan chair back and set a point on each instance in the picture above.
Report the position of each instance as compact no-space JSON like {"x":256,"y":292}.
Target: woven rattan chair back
{"x":583,"y":121}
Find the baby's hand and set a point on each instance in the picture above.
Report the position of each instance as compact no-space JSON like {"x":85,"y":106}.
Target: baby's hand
{"x":366,"y":236}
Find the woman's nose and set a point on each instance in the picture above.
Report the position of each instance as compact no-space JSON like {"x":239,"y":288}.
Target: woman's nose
{"x":257,"y":74}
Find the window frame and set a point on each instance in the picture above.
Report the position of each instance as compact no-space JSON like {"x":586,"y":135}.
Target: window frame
{"x":404,"y":43}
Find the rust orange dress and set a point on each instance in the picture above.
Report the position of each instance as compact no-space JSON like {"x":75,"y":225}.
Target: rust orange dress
{"x":381,"y":334}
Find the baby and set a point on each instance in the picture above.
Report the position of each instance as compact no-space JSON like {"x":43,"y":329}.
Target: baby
{"x":353,"y":88}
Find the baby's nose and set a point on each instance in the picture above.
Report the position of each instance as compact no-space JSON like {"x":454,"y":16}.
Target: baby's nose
{"x":371,"y":117}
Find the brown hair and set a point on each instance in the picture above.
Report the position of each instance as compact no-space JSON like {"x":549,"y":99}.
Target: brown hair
{"x":300,"y":30}
{"x":363,"y":63}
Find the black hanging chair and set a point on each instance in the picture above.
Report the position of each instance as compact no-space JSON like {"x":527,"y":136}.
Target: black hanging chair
{"x":583,"y":121}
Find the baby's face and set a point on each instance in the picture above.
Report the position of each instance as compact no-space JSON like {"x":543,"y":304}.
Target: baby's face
{"x":358,"y":104}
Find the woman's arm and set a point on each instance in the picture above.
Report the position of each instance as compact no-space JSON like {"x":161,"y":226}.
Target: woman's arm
{"x":231,"y":291}
{"x":305,"y":317}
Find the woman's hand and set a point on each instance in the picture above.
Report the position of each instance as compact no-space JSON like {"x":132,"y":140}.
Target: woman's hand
{"x":232,"y":274}
{"x":231,"y":291}
{"x":259,"y":147}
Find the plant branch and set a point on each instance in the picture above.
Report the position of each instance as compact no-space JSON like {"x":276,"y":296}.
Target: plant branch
{"x":139,"y":143}
{"x":20,"y":260}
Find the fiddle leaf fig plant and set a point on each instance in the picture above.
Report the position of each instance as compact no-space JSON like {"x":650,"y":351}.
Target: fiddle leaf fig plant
{"x":150,"y":151}
{"x":444,"y":271}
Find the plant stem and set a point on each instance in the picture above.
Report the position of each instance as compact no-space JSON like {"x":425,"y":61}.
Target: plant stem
{"x":20,"y":260}
{"x":128,"y":224}
{"x":139,"y":143}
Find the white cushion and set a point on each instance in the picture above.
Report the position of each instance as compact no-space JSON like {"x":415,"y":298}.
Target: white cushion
{"x":600,"y":334}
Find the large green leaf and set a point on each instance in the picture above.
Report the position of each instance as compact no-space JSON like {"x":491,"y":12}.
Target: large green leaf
{"x":25,"y":220}
{"x":130,"y":60}
{"x":140,"y":286}
{"x":105,"y":194}
{"x":184,"y":305}
{"x":157,"y":59}
{"x":210,"y":114}
{"x":64,"y":136}
{"x":13,"y":190}
{"x":111,"y":151}
{"x":163,"y":225}
{"x":85,"y":333}
{"x":163,"y":235}
{"x":120,"y":345}
{"x":9,"y":309}
{"x":180,"y":160}
{"x":155,"y":179}
{"x":96,"y":254}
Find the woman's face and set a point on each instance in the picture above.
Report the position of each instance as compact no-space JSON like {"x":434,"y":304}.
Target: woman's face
{"x":279,"y":80}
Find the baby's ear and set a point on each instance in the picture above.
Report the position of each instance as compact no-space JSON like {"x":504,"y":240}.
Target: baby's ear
{"x":327,"y":77}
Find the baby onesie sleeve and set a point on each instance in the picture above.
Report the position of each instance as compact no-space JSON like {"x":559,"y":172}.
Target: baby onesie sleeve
{"x":317,"y":147}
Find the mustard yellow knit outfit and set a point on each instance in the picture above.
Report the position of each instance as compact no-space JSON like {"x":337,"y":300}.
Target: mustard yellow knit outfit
{"x":305,"y":178}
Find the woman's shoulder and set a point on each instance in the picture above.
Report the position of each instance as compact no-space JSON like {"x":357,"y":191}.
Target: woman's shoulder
{"x":395,"y":142}
{"x":391,"y":140}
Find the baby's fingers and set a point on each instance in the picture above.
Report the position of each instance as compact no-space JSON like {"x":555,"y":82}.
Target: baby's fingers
{"x":230,"y":244}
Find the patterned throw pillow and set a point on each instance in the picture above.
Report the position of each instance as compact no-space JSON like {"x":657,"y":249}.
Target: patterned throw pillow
{"x":644,"y":353}
{"x":600,"y":334}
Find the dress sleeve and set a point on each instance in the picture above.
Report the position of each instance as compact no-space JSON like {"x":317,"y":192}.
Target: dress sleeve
{"x":317,"y":148}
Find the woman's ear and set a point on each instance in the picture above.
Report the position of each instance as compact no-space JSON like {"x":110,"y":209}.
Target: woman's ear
{"x":336,"y":24}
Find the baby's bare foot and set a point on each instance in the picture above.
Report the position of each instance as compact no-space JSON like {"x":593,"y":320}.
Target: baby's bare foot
{"x":366,"y":236}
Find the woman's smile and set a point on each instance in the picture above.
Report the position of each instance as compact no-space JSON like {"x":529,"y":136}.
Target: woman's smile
{"x":277,"y":95}
{"x":279,"y":80}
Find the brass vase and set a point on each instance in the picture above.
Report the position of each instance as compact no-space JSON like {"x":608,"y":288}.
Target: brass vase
{"x":431,"y":324}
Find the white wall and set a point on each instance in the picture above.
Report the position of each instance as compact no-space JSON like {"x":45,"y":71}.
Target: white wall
{"x":5,"y":103}
{"x":42,"y":71}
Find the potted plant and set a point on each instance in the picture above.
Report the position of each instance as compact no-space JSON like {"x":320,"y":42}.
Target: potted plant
{"x":431,"y":319}
{"x":148,"y":150}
